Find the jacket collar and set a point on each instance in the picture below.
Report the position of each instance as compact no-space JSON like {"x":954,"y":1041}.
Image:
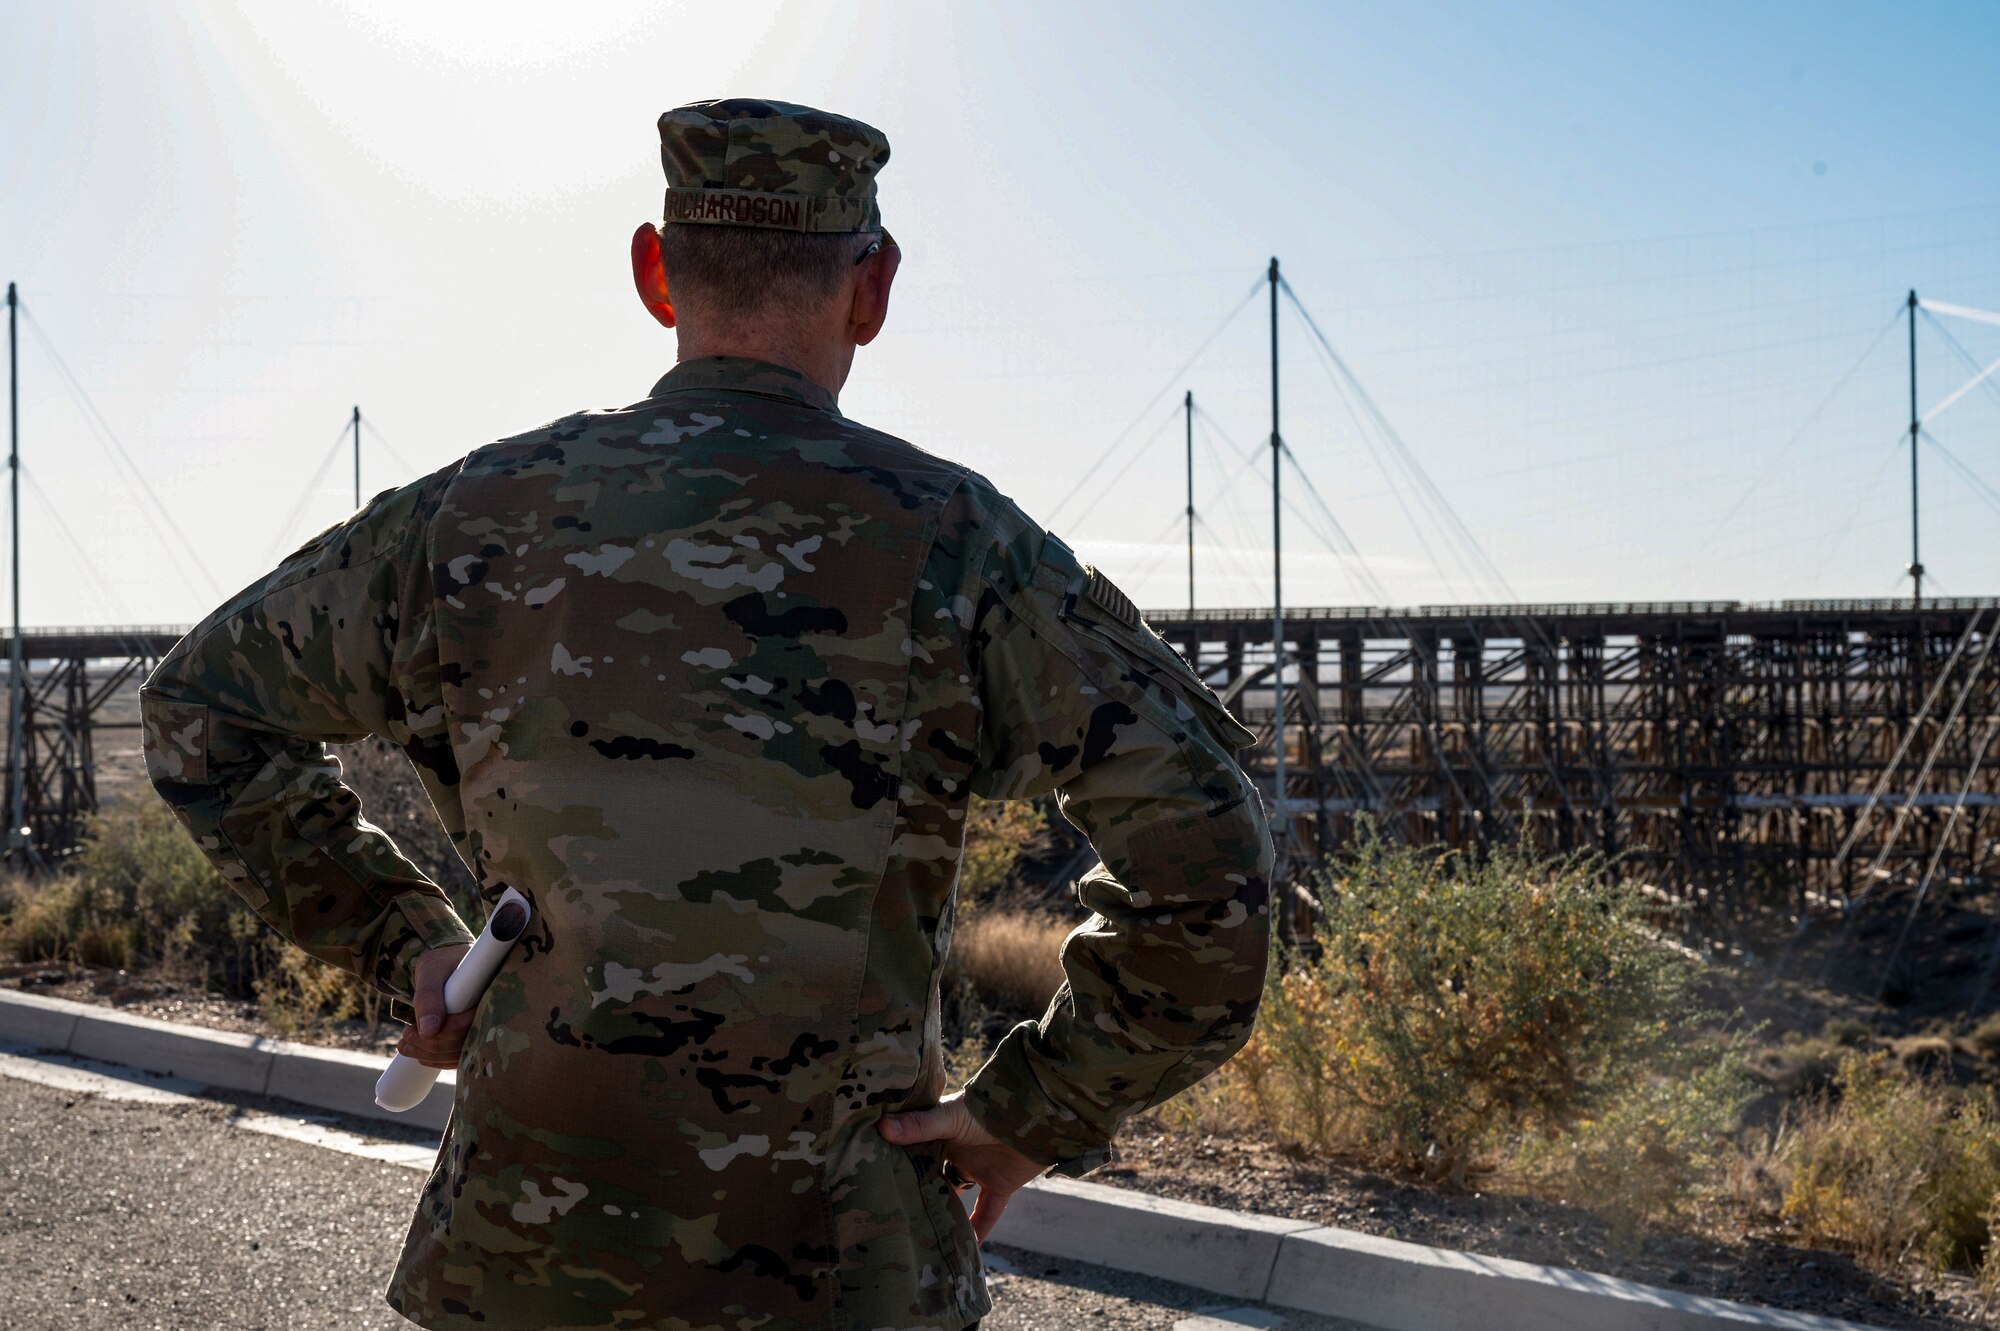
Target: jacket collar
{"x":740,"y":374}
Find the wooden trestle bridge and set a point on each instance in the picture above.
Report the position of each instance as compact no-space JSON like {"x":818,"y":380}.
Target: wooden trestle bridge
{"x":73,"y":679}
{"x":1734,"y":756}
{"x":1738,"y":758}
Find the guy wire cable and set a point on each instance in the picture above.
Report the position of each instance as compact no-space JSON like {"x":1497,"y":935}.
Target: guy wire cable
{"x":1937,"y":854}
{"x":1362,"y":431}
{"x":395,"y":457}
{"x":1764,"y":472}
{"x":1078,"y":486}
{"x":1930,"y":759}
{"x":1979,"y":487}
{"x":1982,"y":375}
{"x":1110,"y":487}
{"x":107,"y":596}
{"x":1852,"y":908}
{"x":1451,"y":524}
{"x":1443,"y":512}
{"x":107,"y":438}
{"x":1909,"y":736}
{"x":281,"y":537}
{"x":1428,"y":722}
{"x":1447,"y":517}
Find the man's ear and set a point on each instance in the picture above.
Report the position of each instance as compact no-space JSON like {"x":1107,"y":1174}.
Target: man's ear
{"x":649,"y":274}
{"x":870,"y":308}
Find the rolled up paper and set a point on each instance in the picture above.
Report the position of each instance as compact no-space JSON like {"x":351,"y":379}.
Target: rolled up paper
{"x":405,"y":1082}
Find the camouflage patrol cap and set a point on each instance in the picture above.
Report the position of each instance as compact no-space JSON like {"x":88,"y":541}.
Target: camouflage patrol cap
{"x":748,"y":162}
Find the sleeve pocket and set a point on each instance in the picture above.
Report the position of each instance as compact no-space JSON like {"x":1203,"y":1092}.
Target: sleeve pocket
{"x":176,"y":741}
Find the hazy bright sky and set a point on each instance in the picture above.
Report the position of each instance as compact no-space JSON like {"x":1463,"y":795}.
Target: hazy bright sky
{"x":1604,"y":266}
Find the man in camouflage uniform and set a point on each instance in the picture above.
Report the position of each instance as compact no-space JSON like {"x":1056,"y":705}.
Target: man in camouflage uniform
{"x":711,"y":678}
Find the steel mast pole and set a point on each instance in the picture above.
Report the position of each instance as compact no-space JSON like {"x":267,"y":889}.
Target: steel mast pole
{"x":1188,"y":403}
{"x":17,"y":795}
{"x":1281,"y":821}
{"x":357,"y":457}
{"x":1916,"y":561}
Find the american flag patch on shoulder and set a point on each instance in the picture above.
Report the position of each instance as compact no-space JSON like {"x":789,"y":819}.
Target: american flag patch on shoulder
{"x":1104,"y":594}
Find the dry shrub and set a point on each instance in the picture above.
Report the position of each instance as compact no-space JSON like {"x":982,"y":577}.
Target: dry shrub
{"x":1013,"y":961}
{"x":1798,"y":1065}
{"x":393,"y":799}
{"x":41,"y":920}
{"x":299,"y":995}
{"x":1446,"y":1006}
{"x":1890,"y":1165}
{"x":1658,"y":1150}
{"x":1985,"y":1037}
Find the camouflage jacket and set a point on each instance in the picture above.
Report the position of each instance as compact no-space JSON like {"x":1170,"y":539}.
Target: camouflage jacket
{"x":711,"y":679}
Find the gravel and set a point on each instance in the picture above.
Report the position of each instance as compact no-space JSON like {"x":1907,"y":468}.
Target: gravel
{"x":149,"y":1216}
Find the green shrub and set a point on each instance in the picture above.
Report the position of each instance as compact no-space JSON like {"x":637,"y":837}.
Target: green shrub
{"x":139,"y":894}
{"x":1446,"y":1005}
{"x":1892,"y":1165}
{"x":138,"y":875}
{"x":995,"y":832}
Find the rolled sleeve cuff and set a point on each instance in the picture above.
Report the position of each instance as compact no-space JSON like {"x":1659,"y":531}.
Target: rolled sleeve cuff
{"x":1006,"y":1098}
{"x":418,"y":922}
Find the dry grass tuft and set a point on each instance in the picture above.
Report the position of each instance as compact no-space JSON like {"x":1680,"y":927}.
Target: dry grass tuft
{"x":1013,"y":961}
{"x":1891,"y":1166}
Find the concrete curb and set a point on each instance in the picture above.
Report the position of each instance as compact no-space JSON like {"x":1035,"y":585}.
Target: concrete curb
{"x":335,"y":1079}
{"x":1407,"y":1287}
{"x":1225,"y":1252}
{"x":1378,"y":1282}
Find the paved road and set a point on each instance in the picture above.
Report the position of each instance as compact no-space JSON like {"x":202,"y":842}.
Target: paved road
{"x":163,"y":1216}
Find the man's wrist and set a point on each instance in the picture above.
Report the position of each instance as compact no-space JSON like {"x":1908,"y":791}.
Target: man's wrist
{"x":418,"y":922}
{"x":1006,"y":1098}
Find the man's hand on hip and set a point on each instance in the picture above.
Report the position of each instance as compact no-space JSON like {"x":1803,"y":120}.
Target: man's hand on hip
{"x":436,"y":1038}
{"x":976,"y":1154}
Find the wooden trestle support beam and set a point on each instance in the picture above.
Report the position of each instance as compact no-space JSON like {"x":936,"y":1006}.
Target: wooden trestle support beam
{"x":1724,"y":752}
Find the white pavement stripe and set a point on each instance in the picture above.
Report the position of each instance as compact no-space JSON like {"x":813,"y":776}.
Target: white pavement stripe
{"x":325,"y":1135}
{"x":88,"y":1078}
{"x":111,"y":1082}
{"x":1233,"y":1319}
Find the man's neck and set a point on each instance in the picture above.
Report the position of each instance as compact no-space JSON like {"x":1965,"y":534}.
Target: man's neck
{"x":826,"y":364}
